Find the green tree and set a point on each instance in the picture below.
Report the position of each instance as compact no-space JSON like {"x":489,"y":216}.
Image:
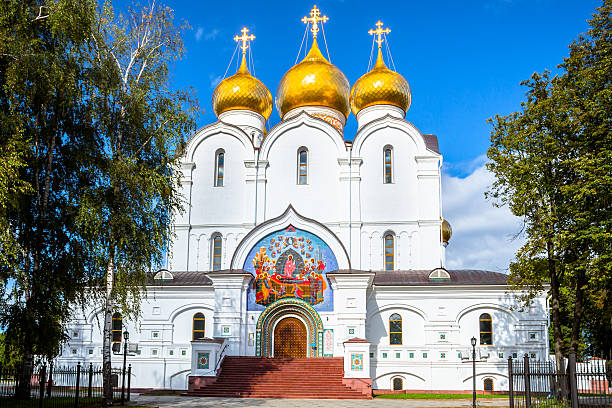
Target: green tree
{"x":552,"y":163}
{"x":139,"y":121}
{"x":44,"y":126}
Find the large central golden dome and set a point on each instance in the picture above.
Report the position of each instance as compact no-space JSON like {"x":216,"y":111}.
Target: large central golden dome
{"x":242,"y":91}
{"x":380,"y":86}
{"x":313,"y":82}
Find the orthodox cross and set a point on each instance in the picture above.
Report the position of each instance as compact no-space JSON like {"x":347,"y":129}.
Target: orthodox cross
{"x":245,"y":39}
{"x":315,"y":17}
{"x":379,"y":32}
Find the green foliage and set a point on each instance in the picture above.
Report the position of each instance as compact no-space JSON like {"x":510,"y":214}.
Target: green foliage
{"x":553,"y":168}
{"x":139,"y":120}
{"x":43,"y":126}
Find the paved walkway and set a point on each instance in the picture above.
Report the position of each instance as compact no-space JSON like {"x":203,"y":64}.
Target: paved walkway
{"x":189,"y":402}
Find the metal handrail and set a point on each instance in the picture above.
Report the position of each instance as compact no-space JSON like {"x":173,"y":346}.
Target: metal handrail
{"x":221,"y":356}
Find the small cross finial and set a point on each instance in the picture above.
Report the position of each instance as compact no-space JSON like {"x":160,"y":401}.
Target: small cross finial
{"x":245,"y":39}
{"x":379,"y":33}
{"x":315,"y":18}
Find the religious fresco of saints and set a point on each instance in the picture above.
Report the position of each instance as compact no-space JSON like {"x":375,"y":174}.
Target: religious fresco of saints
{"x":290,"y":263}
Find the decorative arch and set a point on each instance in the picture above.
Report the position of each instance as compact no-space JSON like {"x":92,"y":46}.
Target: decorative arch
{"x":484,"y":306}
{"x":214,"y":129}
{"x":199,"y":306}
{"x":485,"y":375}
{"x":403,"y":374}
{"x":302,"y":119}
{"x":395,"y":307}
{"x":285,"y":308}
{"x":389,"y":121}
{"x":290,"y":217}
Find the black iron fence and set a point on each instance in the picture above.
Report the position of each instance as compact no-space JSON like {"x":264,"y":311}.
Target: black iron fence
{"x":574,"y":385}
{"x":59,"y":387}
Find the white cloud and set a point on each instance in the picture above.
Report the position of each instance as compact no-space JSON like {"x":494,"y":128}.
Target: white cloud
{"x":483,"y":235}
{"x":212,"y":34}
{"x":214,"y":80}
{"x":198,"y":34}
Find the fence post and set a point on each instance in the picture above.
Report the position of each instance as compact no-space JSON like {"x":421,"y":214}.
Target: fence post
{"x":527,"y":381}
{"x":510,"y":384}
{"x":572,"y":379}
{"x":50,"y":380}
{"x":129,"y":381}
{"x":78,"y":385}
{"x":42,"y":373}
{"x":90,"y":380}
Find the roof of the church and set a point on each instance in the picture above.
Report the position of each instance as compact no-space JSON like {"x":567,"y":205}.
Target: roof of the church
{"x":381,"y":278}
{"x":431,"y":142}
{"x":457,"y":277}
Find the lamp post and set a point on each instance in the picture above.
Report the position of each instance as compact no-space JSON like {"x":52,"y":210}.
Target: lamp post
{"x":126,"y":337}
{"x":473,"y":372}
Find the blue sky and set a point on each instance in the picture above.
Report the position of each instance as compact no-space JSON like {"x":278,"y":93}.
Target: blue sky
{"x":464,"y":61}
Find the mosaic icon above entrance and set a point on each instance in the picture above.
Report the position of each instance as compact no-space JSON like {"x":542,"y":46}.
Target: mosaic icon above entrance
{"x":290,"y":263}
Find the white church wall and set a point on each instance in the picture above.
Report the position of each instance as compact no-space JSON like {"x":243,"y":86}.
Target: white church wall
{"x":220,"y":205}
{"x":321,"y":198}
{"x":438,"y":323}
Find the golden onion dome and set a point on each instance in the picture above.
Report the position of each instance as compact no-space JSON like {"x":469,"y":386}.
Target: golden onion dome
{"x":242,"y":91}
{"x":313,"y":82}
{"x":380,"y":86}
{"x":446,"y":231}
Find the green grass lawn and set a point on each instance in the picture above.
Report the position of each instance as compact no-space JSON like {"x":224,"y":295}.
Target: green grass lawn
{"x":54,"y":402}
{"x":436,"y":396}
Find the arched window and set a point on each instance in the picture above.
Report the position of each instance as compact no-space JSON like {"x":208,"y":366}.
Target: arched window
{"x":398,"y":384}
{"x":216,"y":252}
{"x":388,"y":161}
{"x":117,"y":328}
{"x":488,"y":384}
{"x":486,"y":329}
{"x":219,"y":167}
{"x":389,"y":252}
{"x":302,"y":162}
{"x":395,"y":329}
{"x":199,"y":322}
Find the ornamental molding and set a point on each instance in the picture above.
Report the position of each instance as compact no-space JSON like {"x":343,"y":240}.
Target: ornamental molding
{"x":301,"y":119}
{"x":290,"y":217}
{"x":215,"y":129}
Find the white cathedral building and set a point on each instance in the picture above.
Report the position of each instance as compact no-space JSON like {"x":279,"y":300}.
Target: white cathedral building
{"x":303,"y":242}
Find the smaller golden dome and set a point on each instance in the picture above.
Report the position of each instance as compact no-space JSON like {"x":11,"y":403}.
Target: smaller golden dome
{"x":242,"y":91}
{"x":446,"y":231}
{"x":313,"y":82}
{"x":380,"y":86}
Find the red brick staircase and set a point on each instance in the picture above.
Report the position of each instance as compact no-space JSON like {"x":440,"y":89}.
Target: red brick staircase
{"x":254,"y":377}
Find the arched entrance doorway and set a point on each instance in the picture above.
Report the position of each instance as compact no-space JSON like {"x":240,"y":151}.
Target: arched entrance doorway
{"x":290,"y":338}
{"x":289,"y":326}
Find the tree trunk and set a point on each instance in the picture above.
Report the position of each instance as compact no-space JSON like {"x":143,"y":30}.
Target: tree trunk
{"x":554,"y":303}
{"x":578,"y":308}
{"x":108,"y":324}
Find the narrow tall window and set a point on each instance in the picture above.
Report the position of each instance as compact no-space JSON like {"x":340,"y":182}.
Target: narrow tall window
{"x":117,"y":328}
{"x":199,"y":322}
{"x":219,"y":167}
{"x":302,"y":165}
{"x":216,"y":253}
{"x":488,"y":384}
{"x":395,"y":329}
{"x":388,"y":166}
{"x":398,"y":384}
{"x":389,"y":252}
{"x":486,"y":329}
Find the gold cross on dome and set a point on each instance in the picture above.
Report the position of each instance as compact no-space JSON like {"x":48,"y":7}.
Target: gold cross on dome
{"x":379,"y":32}
{"x":315,"y":17}
{"x":245,"y":39}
